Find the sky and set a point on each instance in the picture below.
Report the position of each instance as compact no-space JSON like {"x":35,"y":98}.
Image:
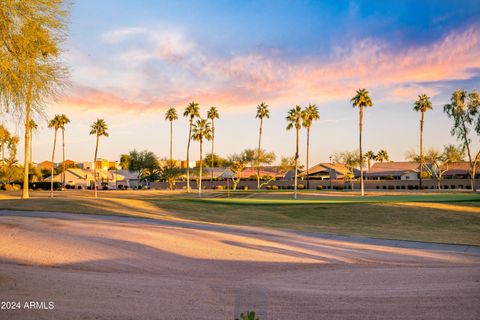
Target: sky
{"x":131,"y":60}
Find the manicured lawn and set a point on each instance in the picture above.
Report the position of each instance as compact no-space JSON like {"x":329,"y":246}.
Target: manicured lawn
{"x":446,"y":218}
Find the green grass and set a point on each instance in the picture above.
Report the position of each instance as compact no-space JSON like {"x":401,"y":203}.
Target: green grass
{"x":456,"y":197}
{"x":432,"y":217}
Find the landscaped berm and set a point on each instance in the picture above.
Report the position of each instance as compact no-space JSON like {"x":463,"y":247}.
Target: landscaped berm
{"x":171,"y":255}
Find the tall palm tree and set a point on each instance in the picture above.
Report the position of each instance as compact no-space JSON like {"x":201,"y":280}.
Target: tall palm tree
{"x":63,"y":121}
{"x":294,"y":119}
{"x":98,"y":128}
{"x":361,"y":100}
{"x":201,"y":130}
{"x":262,"y":112}
{"x":56,"y":124}
{"x":382,"y":155}
{"x":4,"y":138}
{"x":370,"y":155}
{"x":171,"y":115}
{"x":212,"y":115}
{"x":191,"y":111}
{"x":32,"y":126}
{"x":309,"y":115}
{"x":422,"y":105}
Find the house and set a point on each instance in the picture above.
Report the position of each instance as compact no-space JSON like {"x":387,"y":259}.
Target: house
{"x":100,"y":164}
{"x":459,"y":170}
{"x":265,"y":171}
{"x":46,"y":165}
{"x":68,"y":164}
{"x":325,"y":171}
{"x":218,"y":173}
{"x":81,"y":178}
{"x":393,"y":171}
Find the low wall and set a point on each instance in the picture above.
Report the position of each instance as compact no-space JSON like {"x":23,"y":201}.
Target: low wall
{"x":334,"y":184}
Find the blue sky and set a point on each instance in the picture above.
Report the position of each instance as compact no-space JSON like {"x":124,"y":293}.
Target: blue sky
{"x":131,"y":60}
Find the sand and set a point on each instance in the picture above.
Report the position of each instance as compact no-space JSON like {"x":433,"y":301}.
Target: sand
{"x":95,"y":267}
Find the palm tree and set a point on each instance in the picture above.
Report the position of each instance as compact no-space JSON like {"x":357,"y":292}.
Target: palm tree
{"x":294,"y":119}
{"x":382,"y":155}
{"x":309,"y":115}
{"x":212,"y":115}
{"x":63,"y":121}
{"x":191,"y":111}
{"x":370,"y":155}
{"x":171,"y":115}
{"x":201,"y":130}
{"x":98,"y":128}
{"x":32,"y":126}
{"x":4,"y":138}
{"x":361,"y":100}
{"x":56,"y":124}
{"x":262,"y":112}
{"x":423,"y":104}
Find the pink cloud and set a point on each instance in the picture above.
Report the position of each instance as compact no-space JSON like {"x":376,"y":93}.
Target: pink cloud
{"x":245,"y":80}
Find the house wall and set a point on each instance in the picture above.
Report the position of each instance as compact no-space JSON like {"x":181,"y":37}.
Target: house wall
{"x":409,"y":176}
{"x":369,"y":184}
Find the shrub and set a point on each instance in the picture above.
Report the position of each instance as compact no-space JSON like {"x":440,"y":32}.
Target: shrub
{"x":268,"y":187}
{"x":218,"y":188}
{"x":44,"y":185}
{"x":274,"y":187}
{"x":245,"y":188}
{"x":300,"y":186}
{"x":79,"y":187}
{"x":378,"y":187}
{"x":319,"y":187}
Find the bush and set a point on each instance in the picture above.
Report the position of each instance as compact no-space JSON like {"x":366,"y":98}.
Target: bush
{"x":274,"y":187}
{"x":300,"y":186}
{"x":245,"y":188}
{"x":319,"y":187}
{"x":43,"y":185}
{"x":268,"y":187}
{"x":218,"y":188}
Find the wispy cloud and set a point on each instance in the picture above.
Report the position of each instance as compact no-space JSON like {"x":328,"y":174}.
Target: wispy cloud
{"x":171,"y":69}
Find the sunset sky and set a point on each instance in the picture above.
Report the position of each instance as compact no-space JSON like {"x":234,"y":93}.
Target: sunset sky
{"x":131,"y":60}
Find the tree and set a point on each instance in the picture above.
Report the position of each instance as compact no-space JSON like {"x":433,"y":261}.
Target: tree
{"x":361,"y":100}
{"x":144,"y":163}
{"x":4,"y":138}
{"x":237,"y":163}
{"x":437,"y":162}
{"x":63,"y":121}
{"x":464,"y":111}
{"x":214,"y":160}
{"x":212,"y":115}
{"x":56,"y":124}
{"x":294,"y":120}
{"x":98,"y":128}
{"x":124,"y":161}
{"x":191,"y":111}
{"x":370,"y":155}
{"x":382,"y":155}
{"x":32,"y":126}
{"x":31,"y":71}
{"x":201,"y":130}
{"x":262,"y":112}
{"x":253,"y":157}
{"x":10,"y":171}
{"x":422,"y":105}
{"x":309,"y":115}
{"x":351,"y":160}
{"x":171,"y":115}
{"x":169,"y":172}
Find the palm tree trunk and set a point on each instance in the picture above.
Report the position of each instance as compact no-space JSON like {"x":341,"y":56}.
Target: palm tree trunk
{"x":361,"y":154}
{"x":308,"y":155}
{"x":258,"y":154}
{"x":63,"y":158}
{"x":188,"y":156}
{"x":201,"y":168}
{"x":213,"y":143}
{"x":26,"y":170}
{"x":31,"y":143}
{"x":171,"y":148}
{"x":296,"y":166}
{"x":53,"y":162}
{"x":472,"y":164}
{"x":95,"y":167}
{"x":421,"y":152}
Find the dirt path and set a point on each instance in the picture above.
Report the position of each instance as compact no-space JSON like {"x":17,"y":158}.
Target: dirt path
{"x":95,"y":267}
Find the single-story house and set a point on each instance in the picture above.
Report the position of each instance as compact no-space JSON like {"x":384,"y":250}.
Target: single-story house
{"x":48,"y":165}
{"x":393,"y":171}
{"x":76,"y":178}
{"x":325,"y":171}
